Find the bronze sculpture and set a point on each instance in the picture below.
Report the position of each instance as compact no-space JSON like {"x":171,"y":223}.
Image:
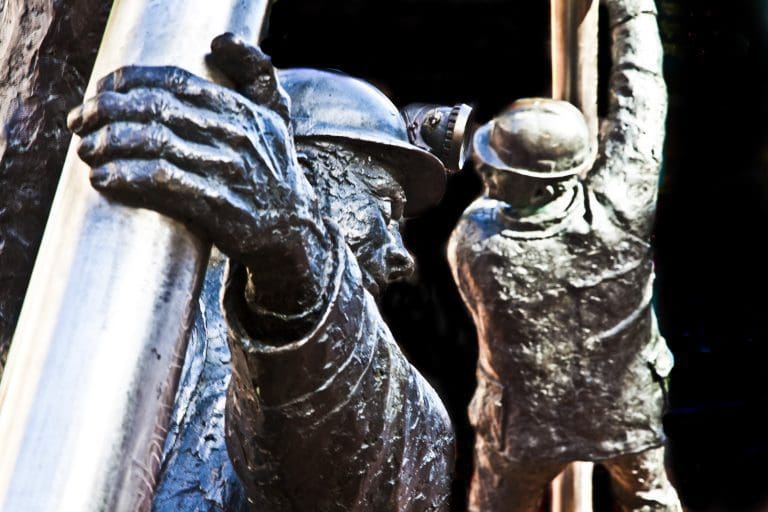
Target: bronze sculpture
{"x":313,"y":151}
{"x":324,"y":412}
{"x":555,"y":266}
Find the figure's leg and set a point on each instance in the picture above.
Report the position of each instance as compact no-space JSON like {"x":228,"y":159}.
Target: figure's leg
{"x":640,"y":483}
{"x":501,"y":485}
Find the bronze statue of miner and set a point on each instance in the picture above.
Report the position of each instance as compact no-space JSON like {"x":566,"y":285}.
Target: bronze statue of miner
{"x":554,"y":263}
{"x":304,"y":196}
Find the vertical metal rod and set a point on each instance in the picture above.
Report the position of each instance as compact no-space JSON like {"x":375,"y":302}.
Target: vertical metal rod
{"x":574,"y":79}
{"x":93,"y":367}
{"x":572,"y":489}
{"x":574,"y":56}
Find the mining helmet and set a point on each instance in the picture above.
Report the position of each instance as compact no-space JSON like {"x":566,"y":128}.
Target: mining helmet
{"x":536,"y":137}
{"x":333,"y":106}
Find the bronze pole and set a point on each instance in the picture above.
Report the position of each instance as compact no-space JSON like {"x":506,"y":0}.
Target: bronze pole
{"x":574,"y":56}
{"x":93,"y":367}
{"x":572,"y":489}
{"x":574,"y":79}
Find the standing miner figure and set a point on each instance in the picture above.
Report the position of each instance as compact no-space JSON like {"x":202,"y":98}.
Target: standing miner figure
{"x":323,"y":411}
{"x":555,"y":265}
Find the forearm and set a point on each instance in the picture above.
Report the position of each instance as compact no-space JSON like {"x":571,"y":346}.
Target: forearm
{"x":638,"y":94}
{"x":632,"y":135}
{"x":287,"y":285}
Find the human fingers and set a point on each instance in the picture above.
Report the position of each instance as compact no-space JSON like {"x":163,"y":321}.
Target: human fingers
{"x":159,"y":106}
{"x":125,"y":140}
{"x":252,"y":72}
{"x":161,"y":186}
{"x":189,"y":88}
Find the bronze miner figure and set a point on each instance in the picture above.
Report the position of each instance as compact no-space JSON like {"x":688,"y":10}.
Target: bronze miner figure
{"x":303,"y":192}
{"x":555,"y":265}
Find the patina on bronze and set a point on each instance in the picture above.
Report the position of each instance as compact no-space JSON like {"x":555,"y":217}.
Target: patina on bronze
{"x":323,"y":410}
{"x":557,"y":273}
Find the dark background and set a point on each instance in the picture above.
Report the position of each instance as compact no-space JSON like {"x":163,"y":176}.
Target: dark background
{"x":712,"y":293}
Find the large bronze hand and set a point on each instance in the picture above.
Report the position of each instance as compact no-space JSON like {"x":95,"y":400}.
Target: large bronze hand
{"x":164,"y":139}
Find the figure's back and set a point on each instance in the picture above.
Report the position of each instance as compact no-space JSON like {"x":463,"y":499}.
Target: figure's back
{"x":563,"y":311}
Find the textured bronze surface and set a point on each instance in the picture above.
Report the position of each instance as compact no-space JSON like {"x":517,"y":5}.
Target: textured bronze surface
{"x":47,"y":50}
{"x":557,"y":274}
{"x":323,"y":412}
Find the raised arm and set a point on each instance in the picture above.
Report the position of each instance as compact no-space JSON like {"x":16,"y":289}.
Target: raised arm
{"x":625,"y":177}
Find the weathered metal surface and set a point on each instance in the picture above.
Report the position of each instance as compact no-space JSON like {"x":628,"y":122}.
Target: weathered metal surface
{"x":47,"y":50}
{"x":91,"y":374}
{"x":341,"y":421}
{"x":557,"y":273}
{"x":196,"y":472}
{"x":324,"y":411}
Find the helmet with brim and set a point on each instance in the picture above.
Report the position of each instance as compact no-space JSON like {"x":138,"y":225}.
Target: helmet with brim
{"x":536,"y":137}
{"x":336,"y":107}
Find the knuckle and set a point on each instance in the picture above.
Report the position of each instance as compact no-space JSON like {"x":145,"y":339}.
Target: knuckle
{"x":119,"y":78}
{"x":75,"y":118}
{"x":99,"y":108}
{"x":104,"y":177}
{"x":177,"y":79}
{"x":112,"y":136}
{"x":102,"y":102}
{"x":149,"y":103}
{"x":107,"y":82}
{"x":162,"y":173}
{"x":85,"y":148}
{"x":158,"y":136}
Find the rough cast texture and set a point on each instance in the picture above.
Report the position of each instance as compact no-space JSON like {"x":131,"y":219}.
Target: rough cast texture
{"x":341,"y":421}
{"x":337,"y":420}
{"x":196,"y":473}
{"x":324,"y":412}
{"x":571,"y":363}
{"x":47,"y":49}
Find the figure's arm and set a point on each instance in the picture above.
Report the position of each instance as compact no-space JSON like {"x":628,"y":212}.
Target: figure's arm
{"x":324,"y":411}
{"x":626,"y":174}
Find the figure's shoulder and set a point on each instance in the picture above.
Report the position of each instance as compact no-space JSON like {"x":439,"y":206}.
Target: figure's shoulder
{"x":479,"y":243}
{"x":482,"y":210}
{"x":479,"y":222}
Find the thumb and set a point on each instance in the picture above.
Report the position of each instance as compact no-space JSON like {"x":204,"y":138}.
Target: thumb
{"x":251,"y":71}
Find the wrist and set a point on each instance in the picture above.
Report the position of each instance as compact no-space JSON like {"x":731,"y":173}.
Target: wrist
{"x":287,"y":282}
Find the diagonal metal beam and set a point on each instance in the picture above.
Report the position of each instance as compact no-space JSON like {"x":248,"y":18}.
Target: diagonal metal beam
{"x":93,"y":366}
